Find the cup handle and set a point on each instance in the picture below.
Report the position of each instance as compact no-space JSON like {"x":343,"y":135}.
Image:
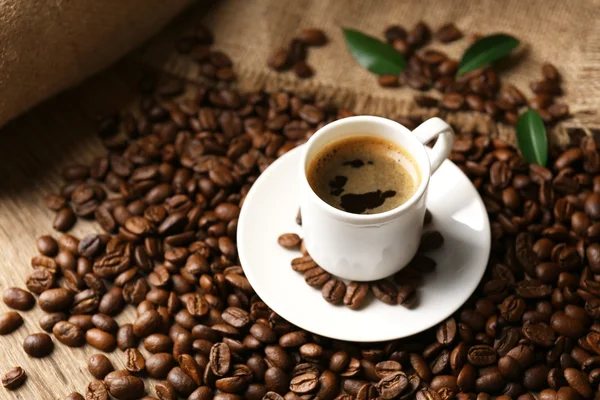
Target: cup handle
{"x":441,"y":150}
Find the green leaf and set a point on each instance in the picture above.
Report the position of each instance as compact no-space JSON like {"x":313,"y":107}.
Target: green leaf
{"x":531,"y":137}
{"x":485,"y":51}
{"x":373,"y":54}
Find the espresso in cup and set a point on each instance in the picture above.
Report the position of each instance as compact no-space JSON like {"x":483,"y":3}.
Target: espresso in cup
{"x":363,"y":175}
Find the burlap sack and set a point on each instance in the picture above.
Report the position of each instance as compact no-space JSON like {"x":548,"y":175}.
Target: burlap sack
{"x":566,"y":33}
{"x":46,"y":46}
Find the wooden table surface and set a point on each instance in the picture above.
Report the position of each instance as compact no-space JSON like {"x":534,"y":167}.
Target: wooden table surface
{"x":34,"y":149}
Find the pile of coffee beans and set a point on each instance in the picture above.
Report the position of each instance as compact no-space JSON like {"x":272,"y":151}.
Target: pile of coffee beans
{"x":213,"y":64}
{"x":480,"y":90}
{"x":168,"y":196}
{"x":354,"y":294}
{"x":295,"y":54}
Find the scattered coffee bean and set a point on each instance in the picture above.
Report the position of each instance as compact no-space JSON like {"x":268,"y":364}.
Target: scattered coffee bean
{"x":333,"y":291}
{"x":9,"y":322}
{"x":68,"y":334}
{"x":47,"y":245}
{"x":289,"y":240}
{"x":388,"y":80}
{"x":96,"y":390}
{"x":14,"y":378}
{"x":312,"y":37}
{"x":158,"y":365}
{"x":448,"y":33}
{"x":126,"y":387}
{"x":99,"y":366}
{"x":134,"y":361}
{"x":356,"y":292}
{"x":18,"y":299}
{"x":100,"y":340}
{"x":38,"y":345}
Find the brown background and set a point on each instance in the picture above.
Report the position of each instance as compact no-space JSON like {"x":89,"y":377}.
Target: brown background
{"x":34,"y":147}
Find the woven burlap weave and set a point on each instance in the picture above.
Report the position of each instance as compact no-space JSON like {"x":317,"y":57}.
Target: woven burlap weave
{"x":46,"y":46}
{"x":565,"y":33}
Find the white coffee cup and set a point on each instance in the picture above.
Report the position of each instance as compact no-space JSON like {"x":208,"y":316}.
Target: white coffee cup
{"x":366,"y":247}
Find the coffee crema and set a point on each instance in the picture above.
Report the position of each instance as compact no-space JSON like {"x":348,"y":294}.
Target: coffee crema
{"x":363,"y":175}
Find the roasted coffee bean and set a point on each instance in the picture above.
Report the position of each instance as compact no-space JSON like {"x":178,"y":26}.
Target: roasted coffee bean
{"x":539,"y":333}
{"x":311,"y":352}
{"x":55,"y":300}
{"x":312,"y":37}
{"x":385,"y":291}
{"x":99,"y":366}
{"x":220,"y":359}
{"x":105,"y":322}
{"x":68,"y":334}
{"x":9,"y":322}
{"x":181,"y":382}
{"x":333,"y":291}
{"x":578,"y":381}
{"x":446,"y":332}
{"x":289,"y":240}
{"x":302,"y":69}
{"x":394,"y":32}
{"x":147,"y":323}
{"x":263,"y":333}
{"x":14,"y":378}
{"x":96,"y":390}
{"x":406,"y":295}
{"x":339,"y":361}
{"x":565,"y":325}
{"x":419,"y":35}
{"x":452,"y":101}
{"x":158,"y":365}
{"x":134,"y":361}
{"x":158,"y":343}
{"x":165,"y":391}
{"x":126,"y":387}
{"x":448,"y":33}
{"x":392,"y":385}
{"x":38,"y":345}
{"x":112,"y":302}
{"x":303,"y":264}
{"x":64,"y":219}
{"x":535,"y":378}
{"x":126,"y":337}
{"x":356,"y":293}
{"x":316,"y":277}
{"x":18,"y":299}
{"x":39,"y":280}
{"x":304,"y":383}
{"x":490,"y":383}
{"x":47,"y":245}
{"x":388,"y":80}
{"x":481,"y":355}
{"x":100,"y":340}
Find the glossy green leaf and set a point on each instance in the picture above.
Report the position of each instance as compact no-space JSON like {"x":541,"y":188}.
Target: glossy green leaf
{"x":486,"y":50}
{"x":531,"y":137}
{"x":373,"y":54}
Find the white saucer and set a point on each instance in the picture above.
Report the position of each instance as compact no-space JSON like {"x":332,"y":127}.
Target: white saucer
{"x":270,"y":209}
